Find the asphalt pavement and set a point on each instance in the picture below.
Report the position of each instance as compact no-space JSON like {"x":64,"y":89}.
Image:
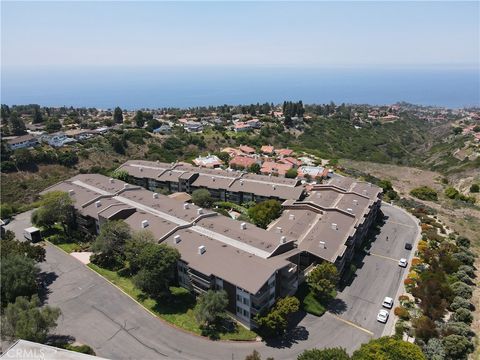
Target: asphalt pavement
{"x":96,"y":313}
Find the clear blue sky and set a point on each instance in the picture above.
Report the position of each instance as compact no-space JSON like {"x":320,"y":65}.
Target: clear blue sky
{"x":319,"y":34}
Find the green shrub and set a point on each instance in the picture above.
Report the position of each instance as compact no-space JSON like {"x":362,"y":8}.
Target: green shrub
{"x":424,"y":193}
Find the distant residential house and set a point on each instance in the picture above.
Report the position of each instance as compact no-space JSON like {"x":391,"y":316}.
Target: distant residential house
{"x":267,"y":149}
{"x":59,"y":139}
{"x":290,"y":160}
{"x":247,"y":149}
{"x":210,"y":161}
{"x":284,"y":152}
{"x":254,"y":123}
{"x":163,"y":129}
{"x":193,"y":127}
{"x":242,"y":162}
{"x":275,"y":168}
{"x":242,"y":126}
{"x":313,"y":171}
{"x":307,"y":161}
{"x":22,"y":142}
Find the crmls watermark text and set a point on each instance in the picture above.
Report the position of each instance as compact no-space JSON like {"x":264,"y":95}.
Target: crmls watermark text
{"x":28,"y":354}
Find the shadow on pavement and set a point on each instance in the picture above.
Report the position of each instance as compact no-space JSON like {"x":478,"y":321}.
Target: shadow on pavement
{"x":298,"y":333}
{"x":337,"y":306}
{"x":46,"y":279}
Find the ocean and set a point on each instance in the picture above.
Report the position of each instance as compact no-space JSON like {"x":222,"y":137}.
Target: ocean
{"x":153,"y":87}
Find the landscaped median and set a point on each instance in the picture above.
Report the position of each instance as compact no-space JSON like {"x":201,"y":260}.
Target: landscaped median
{"x":178,"y":311}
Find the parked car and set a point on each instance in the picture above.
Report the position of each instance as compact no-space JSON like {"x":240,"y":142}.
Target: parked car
{"x":382,"y":316}
{"x":408,"y":246}
{"x":403,"y":262}
{"x":387,"y":302}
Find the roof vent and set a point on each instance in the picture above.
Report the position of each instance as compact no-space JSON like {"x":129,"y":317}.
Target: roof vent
{"x":273,"y":187}
{"x":334,"y":226}
{"x":243,"y":226}
{"x":355,"y":202}
{"x":291,"y":217}
{"x":170,"y":173}
{"x":141,"y":169}
{"x":279,"y":230}
{"x":112,"y":180}
{"x":213,"y":178}
{"x":177,"y":239}
{"x":323,"y":245}
{"x":283,"y":239}
{"x":241,"y":182}
{"x":186,"y":206}
{"x":125,"y":186}
{"x":71,"y":192}
{"x":200,"y":211}
{"x":350,"y":210}
{"x":144,"y":224}
{"x":155,"y":195}
{"x":98,"y":203}
{"x":201,"y":249}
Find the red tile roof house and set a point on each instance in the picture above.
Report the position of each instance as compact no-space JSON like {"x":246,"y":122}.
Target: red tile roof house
{"x":284,"y":152}
{"x":290,"y":160}
{"x":241,"y":162}
{"x":270,"y":167}
{"x":247,"y":149}
{"x":241,"y":126}
{"x":267,"y":149}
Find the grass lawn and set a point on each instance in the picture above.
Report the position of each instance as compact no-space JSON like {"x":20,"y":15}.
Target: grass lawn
{"x":309,"y":302}
{"x":178,"y":312}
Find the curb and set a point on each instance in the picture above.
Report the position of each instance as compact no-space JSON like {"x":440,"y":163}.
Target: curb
{"x":148,"y":310}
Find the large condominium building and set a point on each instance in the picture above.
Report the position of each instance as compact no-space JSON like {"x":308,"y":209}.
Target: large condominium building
{"x":224,"y":185}
{"x":254,"y":266}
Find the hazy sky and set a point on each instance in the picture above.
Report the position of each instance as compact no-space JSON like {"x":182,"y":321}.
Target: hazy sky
{"x":240,"y":33}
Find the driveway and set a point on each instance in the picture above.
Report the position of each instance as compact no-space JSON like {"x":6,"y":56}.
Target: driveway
{"x":96,"y":313}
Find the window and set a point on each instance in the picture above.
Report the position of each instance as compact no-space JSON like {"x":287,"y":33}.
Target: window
{"x":245,"y":313}
{"x":245,"y":301}
{"x":239,"y":298}
{"x":238,"y":310}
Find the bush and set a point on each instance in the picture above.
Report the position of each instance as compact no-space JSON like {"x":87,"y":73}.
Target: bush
{"x":469,"y":270}
{"x":402,"y":313}
{"x":424,"y":193}
{"x":464,"y":257}
{"x":463,"y":315}
{"x":461,"y":289}
{"x":475,"y":188}
{"x":202,"y":198}
{"x":462,"y":241}
{"x":457,"y":347}
{"x":457,"y":328}
{"x":460,"y":303}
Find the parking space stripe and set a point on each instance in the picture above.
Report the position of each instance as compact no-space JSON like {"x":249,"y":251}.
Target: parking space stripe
{"x":352,"y":324}
{"x":385,"y":257}
{"x":397,"y":223}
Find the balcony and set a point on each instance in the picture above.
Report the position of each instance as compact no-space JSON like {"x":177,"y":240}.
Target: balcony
{"x":199,"y":279}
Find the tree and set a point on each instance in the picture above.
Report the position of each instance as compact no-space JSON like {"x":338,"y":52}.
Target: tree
{"x":134,"y":246}
{"x":323,"y":279}
{"x":23,"y":158}
{"x":202,"y":198}
{"x":24,"y":319}
{"x":224,"y":156}
{"x":462,"y":241}
{"x":324,"y":354}
{"x":67,"y":158}
{"x":457,"y":347}
{"x":140,"y":119}
{"x":57,"y":207}
{"x":211,"y":307}
{"x":457,"y":328}
{"x":37,"y":115}
{"x":265,"y":212}
{"x":254,"y":168}
{"x":10,"y":246}
{"x":118,"y":115}
{"x":388,"y":348}
{"x":110,"y":243}
{"x":457,"y":130}
{"x":275,"y":322}
{"x":16,"y":124}
{"x":121,"y":175}
{"x":475,"y":188}
{"x":52,"y":125}
{"x":451,"y":192}
{"x":425,"y":328}
{"x":19,"y":278}
{"x":291,"y":173}
{"x":157,"y":265}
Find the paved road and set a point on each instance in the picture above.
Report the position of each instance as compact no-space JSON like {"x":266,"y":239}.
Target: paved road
{"x":98,"y":314}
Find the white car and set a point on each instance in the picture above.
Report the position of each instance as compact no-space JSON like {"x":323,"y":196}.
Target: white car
{"x":382,"y":316}
{"x":387,"y":302}
{"x":403,"y":262}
